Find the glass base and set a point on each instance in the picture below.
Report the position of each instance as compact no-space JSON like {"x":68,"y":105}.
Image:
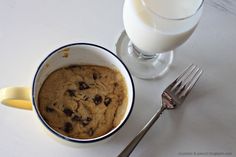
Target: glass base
{"x":141,"y":65}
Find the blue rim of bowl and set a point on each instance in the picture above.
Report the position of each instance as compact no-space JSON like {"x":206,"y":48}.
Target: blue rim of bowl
{"x":74,"y":139}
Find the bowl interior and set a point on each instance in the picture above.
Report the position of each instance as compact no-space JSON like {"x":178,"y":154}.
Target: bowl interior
{"x":81,"y":53}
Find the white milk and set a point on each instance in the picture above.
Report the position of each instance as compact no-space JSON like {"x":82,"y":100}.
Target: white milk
{"x":152,"y":33}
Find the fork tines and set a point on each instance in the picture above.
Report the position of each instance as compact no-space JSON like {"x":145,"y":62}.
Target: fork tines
{"x":185,"y":82}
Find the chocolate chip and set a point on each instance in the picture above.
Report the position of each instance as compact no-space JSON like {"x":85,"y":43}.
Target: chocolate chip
{"x":107,"y":101}
{"x":97,"y":99}
{"x":95,"y":76}
{"x":76,"y":118}
{"x":90,"y":132}
{"x":68,"y":127}
{"x":49,"y":109}
{"x":83,"y":85}
{"x":116,"y":84}
{"x":68,"y":112}
{"x":88,"y":119}
{"x":71,"y":92}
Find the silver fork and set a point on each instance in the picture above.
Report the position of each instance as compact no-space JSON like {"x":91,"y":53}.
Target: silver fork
{"x":173,"y":96}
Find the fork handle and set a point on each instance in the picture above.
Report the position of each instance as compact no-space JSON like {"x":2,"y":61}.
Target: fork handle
{"x":130,"y":147}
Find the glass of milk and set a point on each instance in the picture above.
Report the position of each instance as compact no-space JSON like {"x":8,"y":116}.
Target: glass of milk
{"x":153,"y":29}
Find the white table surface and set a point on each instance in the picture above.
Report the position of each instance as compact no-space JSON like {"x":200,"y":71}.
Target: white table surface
{"x":206,"y":123}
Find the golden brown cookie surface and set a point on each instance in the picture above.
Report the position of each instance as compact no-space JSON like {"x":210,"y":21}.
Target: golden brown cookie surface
{"x":83,"y":101}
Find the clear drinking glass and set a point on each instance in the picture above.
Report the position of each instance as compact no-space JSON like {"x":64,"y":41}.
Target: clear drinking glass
{"x":153,"y":29}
